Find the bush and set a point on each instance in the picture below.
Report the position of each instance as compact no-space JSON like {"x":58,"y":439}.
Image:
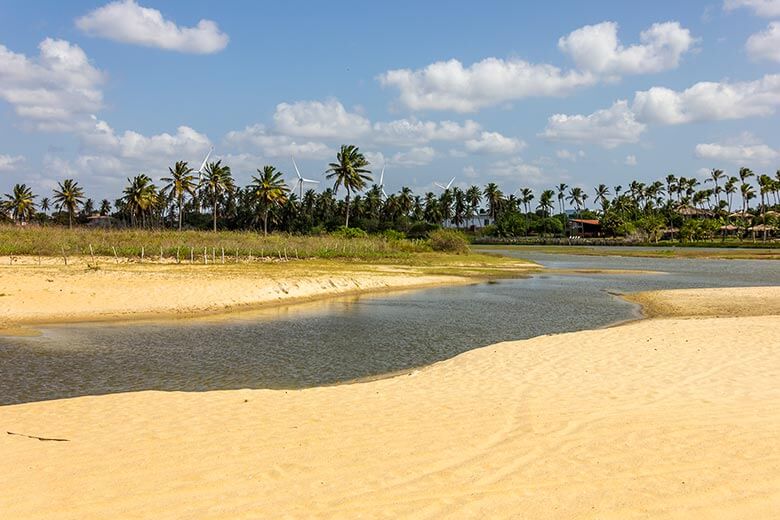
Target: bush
{"x":448,"y":240}
{"x":421,"y":230}
{"x":392,"y":234}
{"x":345,"y":232}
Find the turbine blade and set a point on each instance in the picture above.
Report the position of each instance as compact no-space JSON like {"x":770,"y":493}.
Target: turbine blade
{"x":310,"y":180}
{"x":382,"y":177}
{"x":298,"y":173}
{"x":450,"y":183}
{"x":440,"y":186}
{"x":203,"y":164}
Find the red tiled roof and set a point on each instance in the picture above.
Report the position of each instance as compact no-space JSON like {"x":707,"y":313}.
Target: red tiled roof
{"x":585,"y":221}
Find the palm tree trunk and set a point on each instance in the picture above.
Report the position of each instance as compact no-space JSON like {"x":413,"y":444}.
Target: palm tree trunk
{"x":180,"y":206}
{"x":70,"y":218}
{"x":215,"y":214}
{"x":265,"y":223}
{"x":347,"y":221}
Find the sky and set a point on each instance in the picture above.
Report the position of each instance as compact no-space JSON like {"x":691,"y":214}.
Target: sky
{"x":523,"y":94}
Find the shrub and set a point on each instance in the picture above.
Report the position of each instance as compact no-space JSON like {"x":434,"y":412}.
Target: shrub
{"x":345,"y":232}
{"x":448,"y":240}
{"x":392,"y":234}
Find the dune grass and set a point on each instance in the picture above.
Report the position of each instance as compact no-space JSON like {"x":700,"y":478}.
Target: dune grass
{"x":135,"y":243}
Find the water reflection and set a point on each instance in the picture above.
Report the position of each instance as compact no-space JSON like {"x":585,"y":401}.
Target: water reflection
{"x":342,"y":339}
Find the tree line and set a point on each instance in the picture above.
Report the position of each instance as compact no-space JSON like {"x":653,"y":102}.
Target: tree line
{"x":185,"y":198}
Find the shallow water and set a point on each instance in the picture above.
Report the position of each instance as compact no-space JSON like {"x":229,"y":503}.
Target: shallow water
{"x":347,"y":338}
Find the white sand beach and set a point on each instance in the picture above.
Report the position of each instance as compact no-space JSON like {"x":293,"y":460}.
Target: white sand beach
{"x":661,"y":418}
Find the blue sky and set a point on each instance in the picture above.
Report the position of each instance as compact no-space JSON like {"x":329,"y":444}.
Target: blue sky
{"x":511,"y":92}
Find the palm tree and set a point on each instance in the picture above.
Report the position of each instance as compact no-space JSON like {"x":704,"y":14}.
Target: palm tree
{"x":70,"y":196}
{"x":730,"y":187}
{"x":180,"y":183}
{"x":217,"y":180}
{"x":546,"y":202}
{"x":765,"y":186}
{"x":602,"y":192}
{"x":576,"y":197}
{"x":561,"y":194}
{"x":350,"y":171}
{"x":20,"y":203}
{"x":140,"y":196}
{"x":269,"y":189}
{"x":493,"y":196}
{"x":45,"y":205}
{"x":715,"y":177}
{"x":526,"y":196}
{"x":405,"y":201}
{"x":105,"y":207}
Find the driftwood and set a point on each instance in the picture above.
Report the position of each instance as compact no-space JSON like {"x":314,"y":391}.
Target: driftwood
{"x":39,"y":438}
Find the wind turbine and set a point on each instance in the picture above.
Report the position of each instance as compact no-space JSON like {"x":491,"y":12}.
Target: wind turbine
{"x":300,"y":181}
{"x":448,"y":186}
{"x":200,"y":171}
{"x":382,"y":182}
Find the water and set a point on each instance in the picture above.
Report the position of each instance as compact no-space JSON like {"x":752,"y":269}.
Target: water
{"x":344,"y":339}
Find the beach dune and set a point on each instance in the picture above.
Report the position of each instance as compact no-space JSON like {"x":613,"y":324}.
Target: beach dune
{"x":660,"y":418}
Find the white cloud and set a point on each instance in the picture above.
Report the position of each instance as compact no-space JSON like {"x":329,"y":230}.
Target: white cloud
{"x":408,"y":132}
{"x":569,"y":155}
{"x":518,"y":170}
{"x":126,"y":21}
{"x":274,"y":145}
{"x":743,"y":151}
{"x":317,"y":119}
{"x":494,"y":143}
{"x":419,"y":156}
{"x":10,"y":162}
{"x":449,"y":85}
{"x":765,"y":45}
{"x":186,"y":142}
{"x":630,"y":160}
{"x":595,"y":48}
{"x":709,"y":101}
{"x":765,"y":8}
{"x":608,"y":127}
{"x":56,"y":90}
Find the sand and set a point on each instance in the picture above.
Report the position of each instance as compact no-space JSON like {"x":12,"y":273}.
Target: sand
{"x":32,"y":294}
{"x":660,"y":418}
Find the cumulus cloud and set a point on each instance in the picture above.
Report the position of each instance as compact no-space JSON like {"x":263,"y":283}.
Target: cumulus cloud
{"x":739,"y":154}
{"x":765,"y":45}
{"x":408,"y":132}
{"x":630,"y":160}
{"x":704,"y":101}
{"x":494,"y":143}
{"x":10,"y":162}
{"x":519,"y":170}
{"x":449,"y":85}
{"x":609,"y":128}
{"x":569,"y":155}
{"x":319,"y":119}
{"x":418,"y":156}
{"x":709,"y":101}
{"x":54,"y":91}
{"x":764,"y":8}
{"x":275,"y":145}
{"x":126,"y":21}
{"x":596,"y":48}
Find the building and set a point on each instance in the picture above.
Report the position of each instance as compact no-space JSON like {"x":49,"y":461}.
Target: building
{"x":582,"y":227}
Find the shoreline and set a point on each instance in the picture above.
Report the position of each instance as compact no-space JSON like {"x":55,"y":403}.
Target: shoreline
{"x":50,"y":295}
{"x":667,"y":417}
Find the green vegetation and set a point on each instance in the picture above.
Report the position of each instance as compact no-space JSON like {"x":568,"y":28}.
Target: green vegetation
{"x":673,"y":210}
{"x":132,"y":243}
{"x":449,"y":241}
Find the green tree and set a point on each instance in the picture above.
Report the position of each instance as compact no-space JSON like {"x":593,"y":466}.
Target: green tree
{"x":69,"y":196}
{"x":180,"y":183}
{"x":269,"y":190}
{"x":350,"y":171}
{"x":217,"y":181}
{"x":20,"y":203}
